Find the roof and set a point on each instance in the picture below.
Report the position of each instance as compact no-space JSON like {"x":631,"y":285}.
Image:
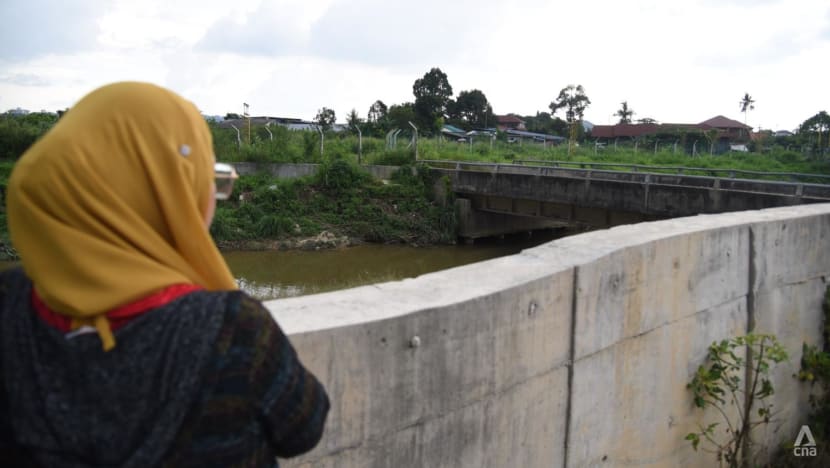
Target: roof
{"x":451,"y":129}
{"x":503,"y":119}
{"x":722,"y":122}
{"x":534,"y":135}
{"x":624,"y":130}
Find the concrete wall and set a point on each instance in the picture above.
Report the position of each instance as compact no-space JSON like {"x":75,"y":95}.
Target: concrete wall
{"x":575,"y":353}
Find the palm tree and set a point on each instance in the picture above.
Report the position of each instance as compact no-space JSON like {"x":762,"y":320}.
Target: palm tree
{"x":625,"y":113}
{"x":747,"y":104}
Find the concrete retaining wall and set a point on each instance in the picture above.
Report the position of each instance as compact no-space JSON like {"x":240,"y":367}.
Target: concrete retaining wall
{"x":575,"y":353}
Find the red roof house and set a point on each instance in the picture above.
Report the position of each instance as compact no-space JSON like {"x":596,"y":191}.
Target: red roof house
{"x":511,"y":122}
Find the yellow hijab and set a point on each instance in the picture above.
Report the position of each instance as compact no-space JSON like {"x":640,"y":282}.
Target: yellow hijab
{"x":108,"y":207}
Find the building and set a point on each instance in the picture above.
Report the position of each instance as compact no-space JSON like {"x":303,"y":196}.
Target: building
{"x":509,"y":122}
{"x":728,"y":130}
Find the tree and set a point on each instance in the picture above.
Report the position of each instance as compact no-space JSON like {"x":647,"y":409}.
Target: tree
{"x":818,"y":124}
{"x":353,"y":119}
{"x":712,"y":136}
{"x":377,"y":112}
{"x":625,"y":113}
{"x":574,"y":101}
{"x":232,"y":116}
{"x":400,"y":115}
{"x":325,"y":118}
{"x":543,"y":122}
{"x":471,"y":110}
{"x":747,"y":104}
{"x":432,"y":94}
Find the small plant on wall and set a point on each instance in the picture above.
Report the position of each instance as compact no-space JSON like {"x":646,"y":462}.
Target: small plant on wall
{"x":734,"y":385}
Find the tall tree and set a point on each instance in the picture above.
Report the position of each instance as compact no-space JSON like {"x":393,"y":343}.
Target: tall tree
{"x":472,"y":110}
{"x":377,"y":112}
{"x":432,"y":94}
{"x":353,"y":119}
{"x":747,"y":104}
{"x":625,"y":113}
{"x":400,"y":114}
{"x":574,"y":102}
{"x":325,"y":118}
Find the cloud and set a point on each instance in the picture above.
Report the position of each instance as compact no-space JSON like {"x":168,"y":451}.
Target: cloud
{"x":32,"y":28}
{"x":25,"y":79}
{"x":379,"y":32}
{"x":739,"y":3}
{"x":274,"y":28}
{"x":372,"y":32}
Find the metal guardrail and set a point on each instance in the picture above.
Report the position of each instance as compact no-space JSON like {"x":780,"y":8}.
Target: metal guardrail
{"x":776,"y":187}
{"x":713,"y":172}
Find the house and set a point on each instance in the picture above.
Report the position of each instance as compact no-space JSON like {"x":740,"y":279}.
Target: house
{"x":728,"y":128}
{"x":509,"y":122}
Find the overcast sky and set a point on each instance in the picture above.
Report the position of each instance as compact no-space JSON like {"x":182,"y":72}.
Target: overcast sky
{"x":674,"y":61}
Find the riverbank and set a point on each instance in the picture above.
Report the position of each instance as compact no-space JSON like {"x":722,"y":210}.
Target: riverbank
{"x":324,"y":240}
{"x":340,"y":205}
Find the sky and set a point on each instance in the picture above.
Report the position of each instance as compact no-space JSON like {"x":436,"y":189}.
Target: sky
{"x":673,"y":61}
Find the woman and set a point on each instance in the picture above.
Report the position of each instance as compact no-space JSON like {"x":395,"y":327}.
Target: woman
{"x":123,"y":339}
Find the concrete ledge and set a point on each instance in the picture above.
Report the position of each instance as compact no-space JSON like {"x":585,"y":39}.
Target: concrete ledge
{"x":569,"y":354}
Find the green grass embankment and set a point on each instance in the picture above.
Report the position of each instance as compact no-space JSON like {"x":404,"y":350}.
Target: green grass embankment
{"x":341,"y":200}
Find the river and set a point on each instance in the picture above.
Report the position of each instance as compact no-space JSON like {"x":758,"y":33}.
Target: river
{"x":275,"y":274}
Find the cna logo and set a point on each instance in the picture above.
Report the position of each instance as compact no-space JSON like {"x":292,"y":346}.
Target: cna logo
{"x":804,"y":448}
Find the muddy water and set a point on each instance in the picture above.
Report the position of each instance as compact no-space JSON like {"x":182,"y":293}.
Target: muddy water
{"x":271,"y":275}
{"x":275,"y":274}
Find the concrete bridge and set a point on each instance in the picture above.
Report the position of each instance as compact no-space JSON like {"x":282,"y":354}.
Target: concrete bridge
{"x":572,"y":354}
{"x":498,"y":198}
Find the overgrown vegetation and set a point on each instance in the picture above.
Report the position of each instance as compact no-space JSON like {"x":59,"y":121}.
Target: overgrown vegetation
{"x":341,"y":199}
{"x":735,"y":384}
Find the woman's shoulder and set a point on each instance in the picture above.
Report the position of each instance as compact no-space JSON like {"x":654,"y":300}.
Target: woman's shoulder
{"x":247,"y":323}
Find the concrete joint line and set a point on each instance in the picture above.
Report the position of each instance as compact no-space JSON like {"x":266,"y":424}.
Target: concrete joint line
{"x":570,"y":365}
{"x":750,"y":327}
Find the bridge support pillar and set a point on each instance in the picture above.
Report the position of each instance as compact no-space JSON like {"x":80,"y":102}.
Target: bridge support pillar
{"x":474,"y":224}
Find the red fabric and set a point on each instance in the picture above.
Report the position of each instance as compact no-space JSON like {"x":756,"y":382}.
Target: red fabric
{"x":119,"y":316}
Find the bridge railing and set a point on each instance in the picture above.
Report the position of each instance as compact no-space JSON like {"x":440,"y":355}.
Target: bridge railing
{"x":603,"y":172}
{"x":681,"y":170}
